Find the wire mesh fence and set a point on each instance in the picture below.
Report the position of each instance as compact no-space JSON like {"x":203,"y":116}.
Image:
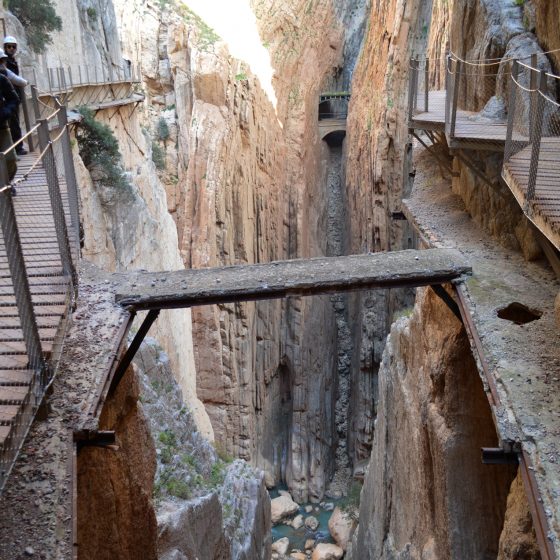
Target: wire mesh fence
{"x":38,"y":251}
{"x":533,"y":143}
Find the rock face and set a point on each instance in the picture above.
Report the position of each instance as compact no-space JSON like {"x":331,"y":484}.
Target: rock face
{"x":247,"y":189}
{"x":518,"y":539}
{"x":115,"y":487}
{"x":377,"y":150}
{"x":204,"y":538}
{"x":437,"y":499}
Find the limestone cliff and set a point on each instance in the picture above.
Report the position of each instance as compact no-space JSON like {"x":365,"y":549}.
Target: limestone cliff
{"x":247,"y":188}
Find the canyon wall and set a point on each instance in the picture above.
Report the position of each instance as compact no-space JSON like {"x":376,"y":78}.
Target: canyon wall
{"x":425,"y":479}
{"x":248,"y":188}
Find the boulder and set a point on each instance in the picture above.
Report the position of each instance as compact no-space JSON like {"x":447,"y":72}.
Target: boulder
{"x":311,"y":522}
{"x":298,"y":556}
{"x":297,"y":521}
{"x":327,"y":506}
{"x":341,"y":527}
{"x":308,"y":508}
{"x":281,"y":546}
{"x":282,"y":507}
{"x":309,"y":544}
{"x":325,"y":551}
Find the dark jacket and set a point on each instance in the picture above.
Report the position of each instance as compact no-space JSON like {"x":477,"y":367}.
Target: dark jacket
{"x":11,"y":64}
{"x":9,"y":100}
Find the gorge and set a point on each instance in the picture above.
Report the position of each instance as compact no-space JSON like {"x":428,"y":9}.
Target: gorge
{"x":373,"y":405}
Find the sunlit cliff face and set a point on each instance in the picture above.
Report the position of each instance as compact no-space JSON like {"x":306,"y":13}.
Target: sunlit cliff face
{"x":236,"y":24}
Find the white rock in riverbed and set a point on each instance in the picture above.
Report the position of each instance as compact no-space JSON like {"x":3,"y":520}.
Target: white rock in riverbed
{"x":311,"y":522}
{"x":297,"y":521}
{"x":281,"y":546}
{"x":282,"y":507}
{"x":341,"y":527}
{"x":308,"y":509}
{"x":325,"y":551}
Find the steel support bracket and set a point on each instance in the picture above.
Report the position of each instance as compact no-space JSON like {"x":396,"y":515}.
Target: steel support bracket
{"x":128,"y":356}
{"x":443,"y":294}
{"x":498,"y":456}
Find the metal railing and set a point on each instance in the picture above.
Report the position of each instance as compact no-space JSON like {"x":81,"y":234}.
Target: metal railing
{"x":84,"y":85}
{"x":533,"y":133}
{"x":38,"y":252}
{"x":476,"y":90}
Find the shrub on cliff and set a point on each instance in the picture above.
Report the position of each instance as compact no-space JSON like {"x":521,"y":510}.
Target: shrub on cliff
{"x":39,"y":19}
{"x":99,"y":150}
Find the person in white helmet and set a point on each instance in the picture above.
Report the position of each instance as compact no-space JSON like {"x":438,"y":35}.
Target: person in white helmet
{"x":10,"y":48}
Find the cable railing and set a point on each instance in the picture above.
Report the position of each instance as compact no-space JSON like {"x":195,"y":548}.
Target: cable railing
{"x":533,"y":141}
{"x":39,"y":248}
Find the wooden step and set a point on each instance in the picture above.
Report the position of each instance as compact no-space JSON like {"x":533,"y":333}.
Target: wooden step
{"x":8,"y":414}
{"x":16,"y":376}
{"x":13,"y":395}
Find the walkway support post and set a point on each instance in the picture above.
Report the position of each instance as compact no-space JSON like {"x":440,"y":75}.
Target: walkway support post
{"x":426,"y":84}
{"x":533,"y":85}
{"x":26,"y":119}
{"x":458,"y":68}
{"x":49,"y":164}
{"x":511,"y":107}
{"x":69,"y":173}
{"x":411,"y":89}
{"x":35,"y":102}
{"x":536,"y":135}
{"x":18,"y":272}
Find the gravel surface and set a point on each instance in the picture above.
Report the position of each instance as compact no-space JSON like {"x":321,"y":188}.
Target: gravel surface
{"x":524,"y":360}
{"x":36,"y":506}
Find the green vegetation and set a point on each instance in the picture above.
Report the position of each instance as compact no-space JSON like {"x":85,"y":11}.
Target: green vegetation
{"x":91,"y":13}
{"x":99,"y":149}
{"x":519,"y":3}
{"x":158,"y":156}
{"x":162,"y":129}
{"x":207,"y":36}
{"x":241,"y":76}
{"x":170,"y":484}
{"x":39,"y":19}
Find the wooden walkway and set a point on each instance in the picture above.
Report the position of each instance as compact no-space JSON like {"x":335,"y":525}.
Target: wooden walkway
{"x":51,"y":294}
{"x":471,"y":131}
{"x":544,"y":209}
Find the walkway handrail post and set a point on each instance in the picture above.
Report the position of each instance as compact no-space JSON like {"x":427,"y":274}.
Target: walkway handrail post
{"x":511,"y":106}
{"x":69,"y":172}
{"x":533,"y":75}
{"x":18,"y":272}
{"x":537,"y":123}
{"x":416,"y":74}
{"x":426,"y":84}
{"x":411,"y":89}
{"x":26,"y":119}
{"x":35,"y":102}
{"x":49,"y":164}
{"x":49,"y":78}
{"x":458,"y":67}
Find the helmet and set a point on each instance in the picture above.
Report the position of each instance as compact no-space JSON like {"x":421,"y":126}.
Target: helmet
{"x":11,"y":40}
{"x":3,"y":54}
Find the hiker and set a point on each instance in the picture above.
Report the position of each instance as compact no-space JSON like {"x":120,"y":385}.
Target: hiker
{"x":9,"y":103}
{"x":10,"y":48}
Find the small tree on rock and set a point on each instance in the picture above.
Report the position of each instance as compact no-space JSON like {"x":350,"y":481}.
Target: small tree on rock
{"x":39,"y":19}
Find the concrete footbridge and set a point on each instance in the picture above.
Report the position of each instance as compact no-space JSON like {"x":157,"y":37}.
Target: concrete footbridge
{"x":333,"y":110}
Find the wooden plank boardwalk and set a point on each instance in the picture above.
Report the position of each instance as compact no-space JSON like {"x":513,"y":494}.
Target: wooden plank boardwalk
{"x":471,"y":130}
{"x":51,"y":295}
{"x":298,"y":277}
{"x":545,"y":207}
